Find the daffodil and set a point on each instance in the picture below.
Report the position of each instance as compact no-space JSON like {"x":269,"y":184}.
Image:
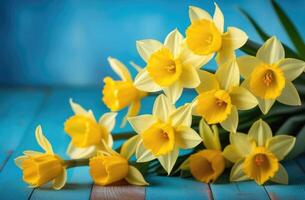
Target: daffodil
{"x":161,"y":134}
{"x":40,"y":168}
{"x":87,"y":133}
{"x":170,"y":66}
{"x":257,"y":155}
{"x":220,"y":96}
{"x":269,"y":75}
{"x":205,"y":36}
{"x":108,"y":167}
{"x":118,"y":94}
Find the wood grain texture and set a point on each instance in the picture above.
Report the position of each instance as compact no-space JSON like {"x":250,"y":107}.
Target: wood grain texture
{"x":118,"y":191}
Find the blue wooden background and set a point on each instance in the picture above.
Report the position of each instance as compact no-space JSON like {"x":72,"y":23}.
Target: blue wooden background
{"x":66,"y":42}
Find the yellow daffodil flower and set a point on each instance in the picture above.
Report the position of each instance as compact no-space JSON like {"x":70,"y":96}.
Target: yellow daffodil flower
{"x":120,"y":94}
{"x":205,"y":36}
{"x":257,"y":155}
{"x":161,"y":134}
{"x":220,"y":96}
{"x":269,"y":75}
{"x":87,"y":133}
{"x":170,"y":66}
{"x":108,"y":167}
{"x":40,"y":168}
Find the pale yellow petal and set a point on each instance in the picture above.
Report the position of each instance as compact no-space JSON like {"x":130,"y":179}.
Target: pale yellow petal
{"x":147,"y":47}
{"x":260,"y":131}
{"x":218,"y":18}
{"x":246,"y":65}
{"x":242,"y":143}
{"x":162,"y":108}
{"x":78,"y":153}
{"x":77,"y":109}
{"x":228,"y":75}
{"x":186,"y":137}
{"x":231,"y":154}
{"x":43,"y":141}
{"x":265,"y":104}
{"x":133,"y":110}
{"x":230,"y":124}
{"x":271,"y":52}
{"x":223,"y":55}
{"x":31,"y":153}
{"x":168,"y":161}
{"x":281,"y":145}
{"x":107,"y":120}
{"x":60,"y":181}
{"x":182,"y":116}
{"x":281,"y":176}
{"x":120,"y":69}
{"x":173,"y":42}
{"x":129,"y":147}
{"x":290,"y":95}
{"x":134,"y":176}
{"x":189,"y":77}
{"x":141,"y":123}
{"x":292,"y":68}
{"x":234,"y":38}
{"x":145,"y":83}
{"x":18,"y":161}
{"x":208,"y":81}
{"x":136,"y":66}
{"x":174,"y":92}
{"x":242,"y":98}
{"x":209,"y":137}
{"x":143,"y":154}
{"x":196,"y":13}
{"x":237,"y":173}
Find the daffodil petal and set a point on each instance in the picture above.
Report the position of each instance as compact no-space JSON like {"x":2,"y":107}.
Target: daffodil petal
{"x":271,"y":52}
{"x":173,"y":42}
{"x":107,"y":120}
{"x":43,"y":141}
{"x":242,"y":98}
{"x":168,"y":161}
{"x":228,"y":74}
{"x":242,"y":143}
{"x":265,"y":104}
{"x":246,"y":65}
{"x":208,"y":81}
{"x":292,"y":68}
{"x":120,"y":69}
{"x":174,"y":92}
{"x":209,"y":137}
{"x":60,"y":181}
{"x":281,"y":145}
{"x":230,"y":124}
{"x":77,"y":153}
{"x":31,"y":153}
{"x":77,"y":109}
{"x":135,"y":177}
{"x":133,"y":110}
{"x":223,"y":55}
{"x":141,"y":123}
{"x":129,"y":147}
{"x":182,"y":116}
{"x":145,"y":83}
{"x":196,"y":13}
{"x":260,"y":131}
{"x":147,"y":47}
{"x":281,"y":176}
{"x":290,"y":95}
{"x":143,"y":154}
{"x":218,"y":18}
{"x":162,"y":107}
{"x":237,"y":173}
{"x":231,"y":154}
{"x":186,"y":137}
{"x":190,"y":78}
{"x":18,"y":161}
{"x":234,"y":38}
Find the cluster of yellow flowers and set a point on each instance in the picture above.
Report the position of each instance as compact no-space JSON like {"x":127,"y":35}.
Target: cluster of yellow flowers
{"x":170,"y":67}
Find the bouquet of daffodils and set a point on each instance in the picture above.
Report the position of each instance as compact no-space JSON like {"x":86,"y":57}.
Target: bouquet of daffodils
{"x":245,"y":87}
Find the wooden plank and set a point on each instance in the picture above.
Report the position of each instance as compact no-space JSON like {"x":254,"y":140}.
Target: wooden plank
{"x":173,"y":188}
{"x":246,"y":190}
{"x":296,"y":188}
{"x":118,"y":191}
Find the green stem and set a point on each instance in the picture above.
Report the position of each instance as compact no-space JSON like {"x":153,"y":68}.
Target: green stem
{"x":76,"y":163}
{"x":123,"y":135}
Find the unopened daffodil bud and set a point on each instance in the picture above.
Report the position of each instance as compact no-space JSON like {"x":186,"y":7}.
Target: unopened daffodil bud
{"x":108,"y":169}
{"x":207,"y":165}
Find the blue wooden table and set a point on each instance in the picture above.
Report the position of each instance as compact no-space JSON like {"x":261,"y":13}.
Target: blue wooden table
{"x":22,"y":109}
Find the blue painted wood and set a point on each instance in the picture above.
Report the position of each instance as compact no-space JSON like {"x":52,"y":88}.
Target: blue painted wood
{"x":173,"y":188}
{"x":247,"y":190}
{"x":296,"y":188}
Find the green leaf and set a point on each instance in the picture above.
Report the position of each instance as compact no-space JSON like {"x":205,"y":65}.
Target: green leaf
{"x":299,"y":146}
{"x":291,"y":30}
